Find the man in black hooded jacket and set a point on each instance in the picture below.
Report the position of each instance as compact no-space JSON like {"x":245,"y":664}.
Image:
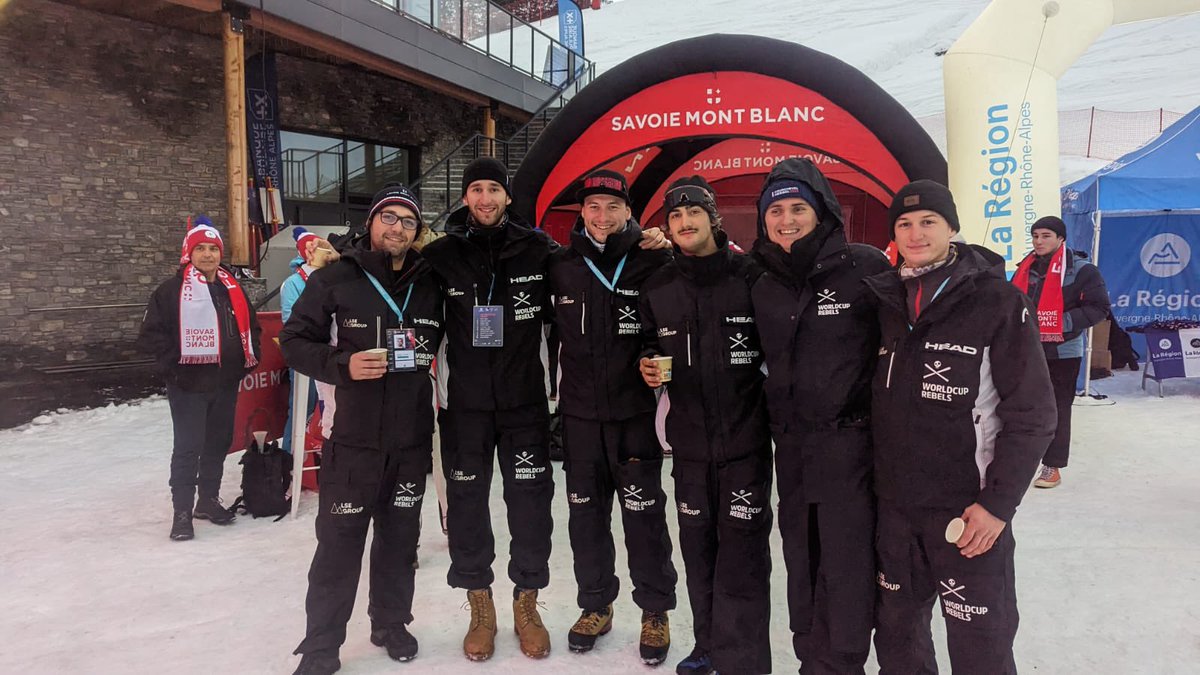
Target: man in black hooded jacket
{"x":608,"y":417}
{"x":962,"y":411}
{"x":698,"y":311}
{"x":820,"y":337}
{"x":374,"y":462}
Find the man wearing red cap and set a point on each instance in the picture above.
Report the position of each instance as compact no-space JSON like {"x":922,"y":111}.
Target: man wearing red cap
{"x":203,"y":333}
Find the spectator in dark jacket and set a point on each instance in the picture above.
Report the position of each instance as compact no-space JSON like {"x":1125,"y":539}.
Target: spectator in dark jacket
{"x":203,"y":333}
{"x":698,"y":311}
{"x":1070,"y":297}
{"x":820,"y":335}
{"x":608,"y":418}
{"x":962,"y":412}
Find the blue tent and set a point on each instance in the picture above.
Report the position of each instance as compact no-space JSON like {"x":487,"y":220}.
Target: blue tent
{"x":1139,"y":217}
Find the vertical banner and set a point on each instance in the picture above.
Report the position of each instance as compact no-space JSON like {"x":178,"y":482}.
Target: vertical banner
{"x":262,"y":136}
{"x":570,"y":33}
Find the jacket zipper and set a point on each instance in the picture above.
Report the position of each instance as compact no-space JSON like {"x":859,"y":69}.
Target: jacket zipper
{"x":891,"y":362}
{"x":687,"y":328}
{"x":583,"y":314}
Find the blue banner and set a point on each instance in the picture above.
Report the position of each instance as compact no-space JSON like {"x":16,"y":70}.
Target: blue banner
{"x":570,"y":26}
{"x":1150,"y":268}
{"x":262,"y":124}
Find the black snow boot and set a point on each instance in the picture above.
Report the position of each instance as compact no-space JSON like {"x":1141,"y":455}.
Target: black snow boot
{"x":318,"y":663}
{"x":181,"y":526}
{"x":697,"y":663}
{"x":400,"y":644}
{"x":209,"y":508}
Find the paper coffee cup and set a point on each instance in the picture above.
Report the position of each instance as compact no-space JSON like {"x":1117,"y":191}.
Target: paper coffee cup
{"x":379,"y":353}
{"x":955,"y":530}
{"x":663,"y":363}
{"x":260,"y":437}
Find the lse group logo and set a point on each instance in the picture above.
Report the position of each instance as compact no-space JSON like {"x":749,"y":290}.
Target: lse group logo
{"x":1165,"y":255}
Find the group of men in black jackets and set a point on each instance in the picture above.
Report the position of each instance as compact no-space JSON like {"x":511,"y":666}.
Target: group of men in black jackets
{"x":897,"y":400}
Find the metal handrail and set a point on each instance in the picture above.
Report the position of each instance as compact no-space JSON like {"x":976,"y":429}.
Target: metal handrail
{"x":513,"y":23}
{"x":547,"y":104}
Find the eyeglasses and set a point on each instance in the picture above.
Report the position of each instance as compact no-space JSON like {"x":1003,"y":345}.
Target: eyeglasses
{"x":389,"y":218}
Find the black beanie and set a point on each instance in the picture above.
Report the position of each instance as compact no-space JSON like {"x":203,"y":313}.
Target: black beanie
{"x":485,"y":168}
{"x":924,"y":195}
{"x":392,"y":193}
{"x":691,"y":190}
{"x":1052,"y":223}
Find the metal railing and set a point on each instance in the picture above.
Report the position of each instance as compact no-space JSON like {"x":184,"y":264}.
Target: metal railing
{"x":440,"y":185}
{"x":493,"y":30}
{"x":323,"y":174}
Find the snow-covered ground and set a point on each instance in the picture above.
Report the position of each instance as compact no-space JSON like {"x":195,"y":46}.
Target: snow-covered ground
{"x":1107,"y":563}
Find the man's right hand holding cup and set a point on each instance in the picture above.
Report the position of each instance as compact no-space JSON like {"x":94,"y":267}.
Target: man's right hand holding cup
{"x":652,"y":371}
{"x":368,"y":365}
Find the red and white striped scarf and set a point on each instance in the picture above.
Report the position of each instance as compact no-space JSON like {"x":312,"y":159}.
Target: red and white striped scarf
{"x":199,"y":325}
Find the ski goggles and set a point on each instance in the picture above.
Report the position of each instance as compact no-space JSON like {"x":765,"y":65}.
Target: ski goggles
{"x":689,"y":195}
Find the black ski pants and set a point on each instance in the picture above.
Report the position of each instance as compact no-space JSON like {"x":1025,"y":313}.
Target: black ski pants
{"x":724,"y":530}
{"x":1063,"y":375}
{"x":202,"y":422}
{"x":622,"y":456}
{"x":978,"y":596}
{"x":828,"y":548}
{"x":358,"y":486}
{"x":471,"y":442}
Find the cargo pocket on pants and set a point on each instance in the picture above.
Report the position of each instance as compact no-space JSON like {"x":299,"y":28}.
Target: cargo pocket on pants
{"x":583,"y":486}
{"x":745,"y":492}
{"x":525,"y":457}
{"x":640,"y":488}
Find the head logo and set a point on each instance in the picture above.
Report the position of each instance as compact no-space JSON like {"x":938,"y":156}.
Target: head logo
{"x":1165,"y":255}
{"x":1164,"y":344}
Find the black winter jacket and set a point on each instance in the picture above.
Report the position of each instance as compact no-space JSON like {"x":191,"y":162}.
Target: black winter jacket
{"x":600,"y":330}
{"x":337,"y":315}
{"x":509,"y":263}
{"x":1085,"y":302}
{"x":962,"y":407}
{"x":699,"y":312}
{"x":159,"y":337}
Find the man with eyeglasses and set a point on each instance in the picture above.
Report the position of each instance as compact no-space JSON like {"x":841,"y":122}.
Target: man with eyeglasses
{"x":380,"y":294}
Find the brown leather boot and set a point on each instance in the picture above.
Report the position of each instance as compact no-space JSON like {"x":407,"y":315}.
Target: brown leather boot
{"x":480,"y":642}
{"x":535,"y":640}
{"x":656,"y":638}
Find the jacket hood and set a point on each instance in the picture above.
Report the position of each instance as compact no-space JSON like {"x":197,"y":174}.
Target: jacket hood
{"x":804,"y":171}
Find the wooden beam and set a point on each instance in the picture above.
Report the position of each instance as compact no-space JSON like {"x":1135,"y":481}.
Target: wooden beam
{"x":489,"y":130}
{"x":202,"y":5}
{"x":235,"y":141}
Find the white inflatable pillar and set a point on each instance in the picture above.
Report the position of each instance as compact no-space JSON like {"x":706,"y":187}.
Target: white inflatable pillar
{"x":1001,"y":81}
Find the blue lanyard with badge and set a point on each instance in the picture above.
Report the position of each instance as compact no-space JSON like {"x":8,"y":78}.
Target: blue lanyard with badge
{"x":401,"y":342}
{"x":487,"y":321}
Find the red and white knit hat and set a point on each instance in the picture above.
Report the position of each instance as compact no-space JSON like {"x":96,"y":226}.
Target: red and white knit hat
{"x":302,"y":237}
{"x":200,"y":232}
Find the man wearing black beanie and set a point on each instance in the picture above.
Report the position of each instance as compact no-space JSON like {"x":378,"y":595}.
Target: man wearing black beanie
{"x":820,"y":337}
{"x":492,"y":266}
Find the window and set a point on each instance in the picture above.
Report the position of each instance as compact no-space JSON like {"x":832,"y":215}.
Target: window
{"x":329,"y":180}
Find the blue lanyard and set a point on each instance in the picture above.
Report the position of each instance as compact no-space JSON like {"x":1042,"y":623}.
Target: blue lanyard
{"x":388,"y":299}
{"x":610,"y":285}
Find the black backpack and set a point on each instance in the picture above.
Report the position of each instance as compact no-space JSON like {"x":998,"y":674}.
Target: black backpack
{"x":1121,"y":347}
{"x":266,"y":478}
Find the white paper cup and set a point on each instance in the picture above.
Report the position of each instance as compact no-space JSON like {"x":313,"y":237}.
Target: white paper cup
{"x":379,"y":353}
{"x":260,"y":437}
{"x":955,"y":530}
{"x":663,"y":363}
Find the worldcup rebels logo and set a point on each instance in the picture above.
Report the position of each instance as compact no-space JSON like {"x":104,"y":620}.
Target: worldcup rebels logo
{"x":521,"y":299}
{"x":406,"y":496}
{"x":738,"y":342}
{"x":525,"y":468}
{"x":827,"y":304}
{"x":741,"y":507}
{"x":627,"y":321}
{"x":633,"y":499}
{"x":523,"y":307}
{"x":939,"y":388}
{"x":956,"y":605}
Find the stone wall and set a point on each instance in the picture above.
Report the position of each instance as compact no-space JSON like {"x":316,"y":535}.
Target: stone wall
{"x":111,"y":134}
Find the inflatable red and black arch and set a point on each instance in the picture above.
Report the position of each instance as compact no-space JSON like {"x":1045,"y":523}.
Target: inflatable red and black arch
{"x":728,"y":107}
